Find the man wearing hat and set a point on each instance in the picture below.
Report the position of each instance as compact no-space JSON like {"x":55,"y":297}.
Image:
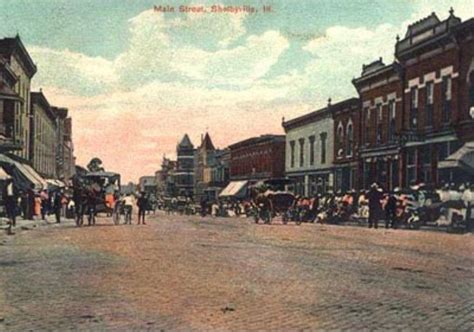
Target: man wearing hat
{"x":375,"y":196}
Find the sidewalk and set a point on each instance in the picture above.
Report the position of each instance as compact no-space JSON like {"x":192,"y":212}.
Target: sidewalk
{"x":26,"y":224}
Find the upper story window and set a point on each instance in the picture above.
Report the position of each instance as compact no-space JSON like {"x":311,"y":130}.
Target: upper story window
{"x":350,"y":138}
{"x":392,"y":110}
{"x":292,"y":154}
{"x":339,"y":138}
{"x":365,"y":133}
{"x":413,"y":106}
{"x":301,"y":141}
{"x":471,"y":90}
{"x":323,"y":137}
{"x":429,"y":103}
{"x":311,"y":150}
{"x":378,"y":124}
{"x":446,"y":97}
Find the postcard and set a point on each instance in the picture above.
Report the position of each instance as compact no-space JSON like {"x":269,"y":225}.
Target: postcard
{"x":260,"y":165}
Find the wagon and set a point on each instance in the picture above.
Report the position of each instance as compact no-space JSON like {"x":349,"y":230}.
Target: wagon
{"x":104,"y":186}
{"x":282,"y":204}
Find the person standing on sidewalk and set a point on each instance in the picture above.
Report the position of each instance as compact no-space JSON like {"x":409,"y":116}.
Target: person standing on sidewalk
{"x":11,"y":200}
{"x":57,"y":205}
{"x":142,"y":204}
{"x":375,"y":196}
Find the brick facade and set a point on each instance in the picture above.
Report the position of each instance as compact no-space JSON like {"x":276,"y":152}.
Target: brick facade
{"x":260,"y":157}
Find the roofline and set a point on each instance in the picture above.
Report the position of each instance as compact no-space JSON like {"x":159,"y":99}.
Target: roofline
{"x":24,"y":55}
{"x":395,"y":66}
{"x":318,"y":114}
{"x":256,"y":140}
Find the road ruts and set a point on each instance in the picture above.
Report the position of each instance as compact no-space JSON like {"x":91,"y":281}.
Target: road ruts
{"x":192,"y":273}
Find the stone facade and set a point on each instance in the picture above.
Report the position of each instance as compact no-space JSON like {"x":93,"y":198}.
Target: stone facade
{"x":9,"y":101}
{"x":310,"y":152}
{"x":13,"y":51}
{"x":43,"y":136}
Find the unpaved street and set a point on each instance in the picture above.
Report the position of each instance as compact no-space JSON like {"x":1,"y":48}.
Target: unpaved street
{"x":181,"y":272}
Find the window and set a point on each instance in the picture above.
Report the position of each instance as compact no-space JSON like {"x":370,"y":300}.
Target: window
{"x":323,"y":137}
{"x":311,"y":150}
{"x":471,"y":90}
{"x":429,"y":103}
{"x":292,"y":154}
{"x":425,"y":161}
{"x":301,"y":140}
{"x":411,"y":166}
{"x":365,"y":134}
{"x":340,"y":140}
{"x":378,"y":124}
{"x":446,"y":98}
{"x":392,"y":110}
{"x":350,"y":139}
{"x":413,"y":106}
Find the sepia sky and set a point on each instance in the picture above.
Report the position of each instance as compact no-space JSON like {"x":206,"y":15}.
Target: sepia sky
{"x":136,"y":80}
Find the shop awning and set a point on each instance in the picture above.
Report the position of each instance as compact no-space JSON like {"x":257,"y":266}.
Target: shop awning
{"x":234,"y":189}
{"x":52,"y":183}
{"x":4,"y":175}
{"x":462,"y":158}
{"x":24,"y":176}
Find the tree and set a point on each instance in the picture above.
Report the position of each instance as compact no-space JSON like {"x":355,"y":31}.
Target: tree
{"x":95,"y":165}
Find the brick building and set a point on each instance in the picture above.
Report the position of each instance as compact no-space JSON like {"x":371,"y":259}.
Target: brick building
{"x":380,"y":88}
{"x":346,"y":143}
{"x":437,"y":61}
{"x":415,"y":112}
{"x":260,"y":157}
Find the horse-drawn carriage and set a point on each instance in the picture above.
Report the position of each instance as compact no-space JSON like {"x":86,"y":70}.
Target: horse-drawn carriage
{"x":97,"y":192}
{"x":270,"y":204}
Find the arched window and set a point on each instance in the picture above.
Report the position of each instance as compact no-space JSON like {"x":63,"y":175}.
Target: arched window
{"x":340,"y":137}
{"x":350,"y":138}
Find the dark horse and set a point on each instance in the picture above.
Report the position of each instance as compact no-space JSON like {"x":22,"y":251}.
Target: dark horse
{"x":262,"y":205}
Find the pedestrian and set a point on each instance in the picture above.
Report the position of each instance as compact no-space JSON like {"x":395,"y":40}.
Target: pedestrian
{"x":128,"y":208}
{"x":142,"y":203}
{"x":44,"y":204}
{"x":375,"y":196}
{"x":203,"y":206}
{"x":390,"y":210}
{"x":11,"y":200}
{"x":37,"y":208}
{"x":57,"y":205}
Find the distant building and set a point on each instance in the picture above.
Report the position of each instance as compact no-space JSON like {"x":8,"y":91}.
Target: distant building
{"x":258,"y":158}
{"x":147,"y":184}
{"x":164,"y":178}
{"x":211,"y":170}
{"x":184,"y":175}
{"x":43,"y":136}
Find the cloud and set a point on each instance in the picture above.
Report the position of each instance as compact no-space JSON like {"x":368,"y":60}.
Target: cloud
{"x":191,"y":72}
